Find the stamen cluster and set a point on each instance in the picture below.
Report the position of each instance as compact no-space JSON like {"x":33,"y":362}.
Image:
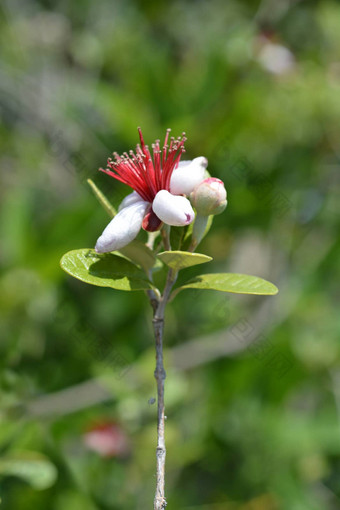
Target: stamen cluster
{"x":144,"y":173}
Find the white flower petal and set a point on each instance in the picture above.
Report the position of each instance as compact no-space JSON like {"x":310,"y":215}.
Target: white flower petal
{"x":123,"y":228}
{"x":187,"y":175}
{"x":277,"y":59}
{"x":130,"y":199}
{"x":201,"y":160}
{"x":172,"y":209}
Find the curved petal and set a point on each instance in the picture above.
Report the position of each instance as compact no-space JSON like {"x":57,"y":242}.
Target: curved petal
{"x":123,"y":228}
{"x":172,"y":209}
{"x":187,"y":175}
{"x":130,"y":199}
{"x":151,"y":222}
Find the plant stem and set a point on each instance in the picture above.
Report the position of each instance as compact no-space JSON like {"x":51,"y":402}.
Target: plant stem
{"x":165,"y":232}
{"x":102,"y":199}
{"x":160,"y":374}
{"x":159,"y":501}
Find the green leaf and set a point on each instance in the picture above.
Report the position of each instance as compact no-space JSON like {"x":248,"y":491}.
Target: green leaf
{"x":176,"y":237}
{"x":188,"y":234}
{"x":180,"y":259}
{"x":34,"y":468}
{"x":232,"y":282}
{"x":140,"y":254}
{"x":105,"y":270}
{"x":191,"y":226}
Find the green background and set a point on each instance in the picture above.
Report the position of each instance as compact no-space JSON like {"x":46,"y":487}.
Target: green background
{"x":253,"y":386}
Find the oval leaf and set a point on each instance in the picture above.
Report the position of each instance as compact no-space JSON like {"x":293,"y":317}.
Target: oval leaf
{"x":177,"y":236}
{"x":140,"y":254}
{"x":180,"y":259}
{"x":188,"y":234}
{"x":105,"y":270}
{"x":232,"y":282}
{"x":34,"y":468}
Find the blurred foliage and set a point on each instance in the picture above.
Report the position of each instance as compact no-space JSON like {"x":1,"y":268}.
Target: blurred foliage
{"x":256,"y":88}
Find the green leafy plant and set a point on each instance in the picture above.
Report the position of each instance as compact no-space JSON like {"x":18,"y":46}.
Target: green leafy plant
{"x":174,"y":202}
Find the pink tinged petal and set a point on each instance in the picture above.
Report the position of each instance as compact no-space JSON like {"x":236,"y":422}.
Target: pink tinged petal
{"x":151,"y":222}
{"x":173,"y":210}
{"x":123,"y":228}
{"x":187,"y":175}
{"x":209,"y":197}
{"x":218,"y":186}
{"x":130,"y":199}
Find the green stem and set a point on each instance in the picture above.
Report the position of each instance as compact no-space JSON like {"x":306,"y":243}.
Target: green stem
{"x":166,"y":237}
{"x":102,"y":199}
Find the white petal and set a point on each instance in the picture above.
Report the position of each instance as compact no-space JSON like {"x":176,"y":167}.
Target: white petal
{"x":276,"y":58}
{"x":123,"y":228}
{"x":201,"y":160}
{"x":173,"y":210}
{"x":130,"y":199}
{"x":187,"y":175}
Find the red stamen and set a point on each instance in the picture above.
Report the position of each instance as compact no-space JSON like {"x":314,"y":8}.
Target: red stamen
{"x":145,"y":174}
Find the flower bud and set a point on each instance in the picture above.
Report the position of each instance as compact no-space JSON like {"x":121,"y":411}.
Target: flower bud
{"x":209,"y":197}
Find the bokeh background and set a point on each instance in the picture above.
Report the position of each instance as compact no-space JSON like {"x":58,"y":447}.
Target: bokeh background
{"x":253,"y":387}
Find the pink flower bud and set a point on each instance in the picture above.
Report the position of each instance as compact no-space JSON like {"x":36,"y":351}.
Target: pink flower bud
{"x":209,"y":197}
{"x":107,"y":439}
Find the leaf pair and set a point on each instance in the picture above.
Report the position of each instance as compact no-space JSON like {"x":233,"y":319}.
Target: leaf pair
{"x":224,"y":282}
{"x":114,"y":271}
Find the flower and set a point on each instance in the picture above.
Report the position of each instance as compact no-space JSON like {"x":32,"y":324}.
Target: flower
{"x":274,"y":57}
{"x":209,"y":197}
{"x":107,"y":439}
{"x":159,"y":183}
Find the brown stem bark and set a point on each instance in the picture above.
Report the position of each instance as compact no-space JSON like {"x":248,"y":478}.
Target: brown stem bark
{"x":158,"y":327}
{"x":159,"y":501}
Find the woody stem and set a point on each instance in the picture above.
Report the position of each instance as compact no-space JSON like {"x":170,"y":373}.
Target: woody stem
{"x":158,"y":326}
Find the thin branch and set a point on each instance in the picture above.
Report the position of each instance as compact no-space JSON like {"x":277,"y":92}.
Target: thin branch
{"x":165,"y":233}
{"x":160,"y":375}
{"x":152,"y":236}
{"x":69,"y":400}
{"x":187,"y":356}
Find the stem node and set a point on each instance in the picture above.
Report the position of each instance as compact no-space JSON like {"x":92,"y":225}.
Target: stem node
{"x":160,"y":375}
